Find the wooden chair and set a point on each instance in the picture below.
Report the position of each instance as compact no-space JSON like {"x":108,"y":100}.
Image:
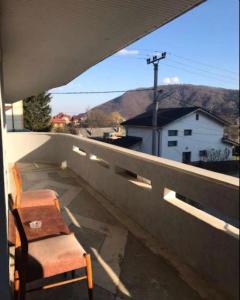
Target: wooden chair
{"x":32,"y":197}
{"x":49,"y":257}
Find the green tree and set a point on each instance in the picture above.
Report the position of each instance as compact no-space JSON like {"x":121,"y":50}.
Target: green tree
{"x":37,"y":112}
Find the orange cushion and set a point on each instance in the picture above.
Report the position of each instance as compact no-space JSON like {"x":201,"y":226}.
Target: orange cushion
{"x":33,"y":198}
{"x":54,"y":256}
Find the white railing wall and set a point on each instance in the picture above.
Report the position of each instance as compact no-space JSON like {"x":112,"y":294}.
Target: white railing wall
{"x":146,"y":189}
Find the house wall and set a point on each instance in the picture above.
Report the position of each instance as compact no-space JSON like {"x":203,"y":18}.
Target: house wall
{"x":14,"y":116}
{"x":145,"y":134}
{"x":58,"y":125}
{"x":206,"y":135}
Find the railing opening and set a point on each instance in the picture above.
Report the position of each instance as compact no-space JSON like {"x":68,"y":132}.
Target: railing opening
{"x":210,"y":216}
{"x":211,"y":211}
{"x":79,"y":151}
{"x":134,"y":178}
{"x":99,"y":160}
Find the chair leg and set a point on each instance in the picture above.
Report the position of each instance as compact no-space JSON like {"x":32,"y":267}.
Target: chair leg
{"x":22,"y":291}
{"x":22,"y":281}
{"x":90,"y":294}
{"x":89,"y":276}
{"x":16,"y":285}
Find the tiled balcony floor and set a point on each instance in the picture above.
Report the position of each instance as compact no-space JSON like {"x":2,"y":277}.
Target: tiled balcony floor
{"x":123,"y":267}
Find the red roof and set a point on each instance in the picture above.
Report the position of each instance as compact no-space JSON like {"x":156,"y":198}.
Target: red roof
{"x":58,"y":121}
{"x":62,"y":115}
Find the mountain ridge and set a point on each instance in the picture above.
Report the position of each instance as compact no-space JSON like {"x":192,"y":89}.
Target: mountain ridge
{"x":221,"y":101}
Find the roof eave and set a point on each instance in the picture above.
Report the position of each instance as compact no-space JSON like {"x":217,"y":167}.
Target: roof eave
{"x":33,"y":40}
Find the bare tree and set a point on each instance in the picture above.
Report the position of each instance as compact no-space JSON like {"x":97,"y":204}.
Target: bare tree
{"x":116,"y":118}
{"x":97,"y":118}
{"x":218,"y":155}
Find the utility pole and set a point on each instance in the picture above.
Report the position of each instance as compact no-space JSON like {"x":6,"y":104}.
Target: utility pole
{"x":155,"y":61}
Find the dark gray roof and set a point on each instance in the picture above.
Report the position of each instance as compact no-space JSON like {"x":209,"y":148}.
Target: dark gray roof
{"x":166,"y":116}
{"x":94,"y":132}
{"x":125,"y":141}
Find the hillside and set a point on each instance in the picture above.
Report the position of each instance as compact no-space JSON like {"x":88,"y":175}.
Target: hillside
{"x":223,"y":102}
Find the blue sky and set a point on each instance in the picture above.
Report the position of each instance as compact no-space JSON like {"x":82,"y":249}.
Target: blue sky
{"x":202,"y":48}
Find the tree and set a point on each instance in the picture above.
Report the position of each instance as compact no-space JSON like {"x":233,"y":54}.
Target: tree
{"x":67,"y":128}
{"x":116,"y":118}
{"x":97,"y":118}
{"x":37,"y":112}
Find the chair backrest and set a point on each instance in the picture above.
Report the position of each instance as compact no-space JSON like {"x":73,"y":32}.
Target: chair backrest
{"x":11,"y":229}
{"x":18,"y":185}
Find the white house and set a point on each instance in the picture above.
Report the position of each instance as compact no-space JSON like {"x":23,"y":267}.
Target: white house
{"x":184,"y":134}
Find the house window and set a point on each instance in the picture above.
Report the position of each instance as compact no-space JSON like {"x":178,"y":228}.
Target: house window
{"x":172,"y":143}
{"x":172,"y":132}
{"x":186,"y":157}
{"x":187,"y":131}
{"x":197,"y":117}
{"x":203,"y":153}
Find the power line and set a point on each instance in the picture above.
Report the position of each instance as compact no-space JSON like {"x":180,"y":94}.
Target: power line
{"x":214,"y":75}
{"x":195,"y":73}
{"x":193,"y":60}
{"x":229,"y":77}
{"x":207,"y":71}
{"x":101,"y":92}
{"x":208,"y":65}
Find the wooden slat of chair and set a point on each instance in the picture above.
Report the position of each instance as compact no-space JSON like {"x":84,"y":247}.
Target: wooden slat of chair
{"x":20,"y":275}
{"x":19,"y":191}
{"x":89,"y":276}
{"x":20,"y":282}
{"x":16,"y":284}
{"x":18,"y":186}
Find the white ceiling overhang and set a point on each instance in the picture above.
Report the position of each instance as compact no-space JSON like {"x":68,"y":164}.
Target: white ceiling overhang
{"x":47,"y":43}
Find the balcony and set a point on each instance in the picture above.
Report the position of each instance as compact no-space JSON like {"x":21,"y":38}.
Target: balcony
{"x":156,"y":229}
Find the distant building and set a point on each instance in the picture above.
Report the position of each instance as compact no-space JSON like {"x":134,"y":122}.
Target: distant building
{"x":78,"y":119}
{"x":58,"y":123}
{"x":60,"y":120}
{"x":184,"y":134}
{"x":102,"y":132}
{"x":132,"y":142}
{"x":14,"y":116}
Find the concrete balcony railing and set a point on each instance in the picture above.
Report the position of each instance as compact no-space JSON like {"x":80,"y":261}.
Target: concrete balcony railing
{"x":191,"y":212}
